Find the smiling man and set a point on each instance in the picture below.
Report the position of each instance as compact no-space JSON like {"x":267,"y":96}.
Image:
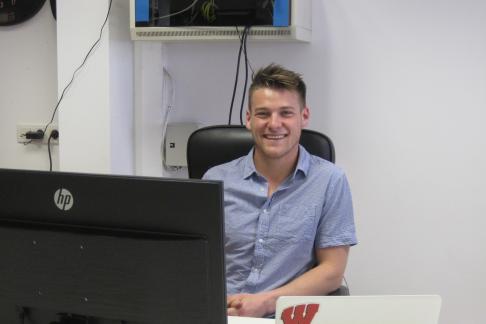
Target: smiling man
{"x":288,"y":214}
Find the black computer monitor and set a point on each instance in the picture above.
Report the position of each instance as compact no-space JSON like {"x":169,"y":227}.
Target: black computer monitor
{"x":120,"y":248}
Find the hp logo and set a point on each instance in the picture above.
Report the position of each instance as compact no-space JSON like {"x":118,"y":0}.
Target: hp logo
{"x":63,"y":199}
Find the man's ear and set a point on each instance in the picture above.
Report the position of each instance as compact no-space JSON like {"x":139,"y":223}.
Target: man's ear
{"x":305,"y":114}
{"x":248,"y":117}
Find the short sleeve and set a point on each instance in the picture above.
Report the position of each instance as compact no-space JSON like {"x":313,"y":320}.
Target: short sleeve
{"x":336,"y":224}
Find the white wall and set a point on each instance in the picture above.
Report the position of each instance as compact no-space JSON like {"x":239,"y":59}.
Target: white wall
{"x":400,"y":88}
{"x":28,"y":84}
{"x":407,"y":97}
{"x":96,"y":113}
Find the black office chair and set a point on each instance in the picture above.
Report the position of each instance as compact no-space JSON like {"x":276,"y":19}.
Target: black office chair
{"x":214,"y":145}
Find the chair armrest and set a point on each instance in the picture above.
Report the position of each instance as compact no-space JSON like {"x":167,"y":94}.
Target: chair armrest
{"x":341,"y":291}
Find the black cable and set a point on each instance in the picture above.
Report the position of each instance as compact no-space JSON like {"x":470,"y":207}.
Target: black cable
{"x":49,"y":151}
{"x":245,"y":36}
{"x":79,"y":67}
{"x":236,"y":80}
{"x":53,"y":135}
{"x":249,"y":62}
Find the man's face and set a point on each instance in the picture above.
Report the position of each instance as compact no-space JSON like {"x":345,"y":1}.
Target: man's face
{"x":276,"y":118}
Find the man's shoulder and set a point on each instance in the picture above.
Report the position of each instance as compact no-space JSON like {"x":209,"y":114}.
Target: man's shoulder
{"x":225,"y":170}
{"x":319,"y":165}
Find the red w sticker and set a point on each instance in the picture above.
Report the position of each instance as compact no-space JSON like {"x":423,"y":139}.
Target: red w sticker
{"x":300,"y":314}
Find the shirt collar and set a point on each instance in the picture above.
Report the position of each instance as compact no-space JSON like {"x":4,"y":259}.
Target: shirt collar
{"x":302,"y":163}
{"x":249,"y":165}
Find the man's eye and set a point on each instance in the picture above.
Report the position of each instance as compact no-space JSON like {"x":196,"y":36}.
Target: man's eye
{"x":261,"y":114}
{"x":287,"y":113}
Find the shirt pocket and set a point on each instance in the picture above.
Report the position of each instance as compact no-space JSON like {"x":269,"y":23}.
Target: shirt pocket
{"x":295,"y":223}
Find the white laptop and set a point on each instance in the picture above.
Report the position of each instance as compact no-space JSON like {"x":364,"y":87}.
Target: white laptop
{"x":387,"y":309}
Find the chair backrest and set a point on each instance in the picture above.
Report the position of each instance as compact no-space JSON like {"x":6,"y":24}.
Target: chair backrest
{"x":214,"y":145}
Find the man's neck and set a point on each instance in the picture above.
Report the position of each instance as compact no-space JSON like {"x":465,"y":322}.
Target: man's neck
{"x":275,"y":170}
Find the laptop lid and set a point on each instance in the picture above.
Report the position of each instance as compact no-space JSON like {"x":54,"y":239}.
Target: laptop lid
{"x":418,"y":309}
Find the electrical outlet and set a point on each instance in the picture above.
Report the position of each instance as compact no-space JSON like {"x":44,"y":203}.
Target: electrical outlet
{"x":22,"y":129}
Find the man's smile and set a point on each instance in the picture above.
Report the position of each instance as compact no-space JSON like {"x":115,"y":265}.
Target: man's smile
{"x":274,"y":137}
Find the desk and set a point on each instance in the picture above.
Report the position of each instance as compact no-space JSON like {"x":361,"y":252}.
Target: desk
{"x":249,"y":320}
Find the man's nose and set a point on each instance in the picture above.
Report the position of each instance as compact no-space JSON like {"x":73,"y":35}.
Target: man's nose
{"x":275,"y":121}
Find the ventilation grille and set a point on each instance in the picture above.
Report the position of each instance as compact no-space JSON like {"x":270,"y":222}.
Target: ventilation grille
{"x":175,"y":33}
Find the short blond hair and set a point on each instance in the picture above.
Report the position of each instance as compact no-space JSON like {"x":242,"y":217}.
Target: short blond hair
{"x":275,"y":76}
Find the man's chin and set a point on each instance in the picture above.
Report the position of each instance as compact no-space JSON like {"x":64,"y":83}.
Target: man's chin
{"x":273,"y":153}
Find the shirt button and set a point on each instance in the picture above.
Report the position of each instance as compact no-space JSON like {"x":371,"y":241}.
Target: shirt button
{"x":260,"y":240}
{"x":265,"y":210}
{"x":262,"y":189}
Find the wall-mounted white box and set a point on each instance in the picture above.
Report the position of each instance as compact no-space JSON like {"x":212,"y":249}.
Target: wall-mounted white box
{"x":299,"y":30}
{"x":175,"y":143}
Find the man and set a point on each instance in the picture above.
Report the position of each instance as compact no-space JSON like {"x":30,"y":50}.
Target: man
{"x":288,"y":214}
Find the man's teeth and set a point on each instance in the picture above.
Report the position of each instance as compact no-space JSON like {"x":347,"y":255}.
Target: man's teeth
{"x":275,"y":136}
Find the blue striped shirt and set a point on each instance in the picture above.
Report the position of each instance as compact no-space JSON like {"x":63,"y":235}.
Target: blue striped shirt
{"x":270,"y":241}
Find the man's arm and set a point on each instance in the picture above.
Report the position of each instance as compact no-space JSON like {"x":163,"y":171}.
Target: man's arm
{"x":320,"y":280}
